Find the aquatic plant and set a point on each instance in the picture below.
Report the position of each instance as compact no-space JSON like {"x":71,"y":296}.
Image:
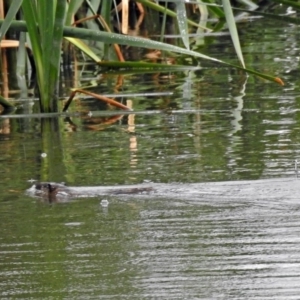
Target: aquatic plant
{"x":48,"y":22}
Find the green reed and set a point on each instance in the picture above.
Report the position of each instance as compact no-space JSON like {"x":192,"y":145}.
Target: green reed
{"x":46,"y":22}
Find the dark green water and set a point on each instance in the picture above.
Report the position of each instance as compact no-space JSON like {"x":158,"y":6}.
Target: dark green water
{"x":226,"y":127}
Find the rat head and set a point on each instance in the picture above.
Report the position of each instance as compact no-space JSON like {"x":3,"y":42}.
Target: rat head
{"x":45,"y":187}
{"x":46,"y":190}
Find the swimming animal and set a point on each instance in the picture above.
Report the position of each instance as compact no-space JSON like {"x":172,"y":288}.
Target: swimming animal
{"x":59,"y":192}
{"x":268,"y":189}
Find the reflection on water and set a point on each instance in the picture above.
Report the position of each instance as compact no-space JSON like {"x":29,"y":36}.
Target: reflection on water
{"x":229,"y":128}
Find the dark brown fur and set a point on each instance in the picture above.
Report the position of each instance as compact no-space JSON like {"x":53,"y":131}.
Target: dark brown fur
{"x":49,"y":190}
{"x":54,"y":192}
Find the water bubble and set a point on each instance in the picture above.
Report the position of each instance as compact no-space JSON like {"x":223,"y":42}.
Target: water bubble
{"x":31,"y":180}
{"x":73,"y":224}
{"x":104,"y":203}
{"x":147,"y":181}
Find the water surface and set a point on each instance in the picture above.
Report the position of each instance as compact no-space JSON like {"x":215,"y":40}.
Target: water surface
{"x":225,"y":127}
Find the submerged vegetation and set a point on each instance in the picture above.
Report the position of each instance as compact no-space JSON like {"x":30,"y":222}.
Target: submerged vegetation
{"x":97,"y":28}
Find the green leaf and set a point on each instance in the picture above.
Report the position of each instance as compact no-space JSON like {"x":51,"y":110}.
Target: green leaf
{"x":232,"y":29}
{"x":45,"y":26}
{"x":57,"y":37}
{"x":140,"y":42}
{"x":21,"y":66}
{"x":138,"y":65}
{"x":84,"y":48}
{"x":73,"y":6}
{"x":29,"y":11}
{"x":13,"y":9}
{"x":182,"y":23}
{"x":162,"y":9}
{"x":45,"y":20}
{"x":214,"y":8}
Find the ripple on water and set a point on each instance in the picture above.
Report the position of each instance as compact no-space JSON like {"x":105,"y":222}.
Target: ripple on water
{"x":247,"y":251}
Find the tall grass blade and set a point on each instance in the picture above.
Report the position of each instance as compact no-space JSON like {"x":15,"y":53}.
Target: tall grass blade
{"x":92,"y":11}
{"x":138,"y":65}
{"x":105,"y":10}
{"x":161,"y":9}
{"x":106,"y":6}
{"x":21,"y":66}
{"x":145,"y":43}
{"x":163,"y":24}
{"x":214,"y":8}
{"x":73,"y":7}
{"x":45,"y":20}
{"x":233,"y":31}
{"x":138,"y":42}
{"x":55,"y":55}
{"x":84,"y":48}
{"x":30,"y":14}
{"x":182,"y":23}
{"x":12,"y":11}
